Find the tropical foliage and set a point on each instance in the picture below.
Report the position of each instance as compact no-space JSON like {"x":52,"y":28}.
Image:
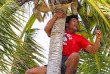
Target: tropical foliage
{"x":19,"y":52}
{"x":15,"y":51}
{"x":95,"y":16}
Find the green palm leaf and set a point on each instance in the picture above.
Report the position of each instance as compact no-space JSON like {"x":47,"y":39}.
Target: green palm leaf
{"x":14,"y":52}
{"x":102,"y":20}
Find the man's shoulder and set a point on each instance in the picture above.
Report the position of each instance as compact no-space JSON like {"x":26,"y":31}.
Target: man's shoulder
{"x":79,"y":36}
{"x":73,"y":34}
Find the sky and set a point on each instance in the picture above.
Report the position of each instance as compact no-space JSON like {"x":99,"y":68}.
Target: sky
{"x":42,"y":37}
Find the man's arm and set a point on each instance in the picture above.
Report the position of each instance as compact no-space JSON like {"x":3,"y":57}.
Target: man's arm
{"x":93,"y":49}
{"x":49,"y":25}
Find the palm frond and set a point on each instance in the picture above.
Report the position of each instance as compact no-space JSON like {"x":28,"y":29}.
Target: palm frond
{"x":7,"y":35}
{"x":93,"y":20}
{"x":14,"y":52}
{"x":32,"y":53}
{"x":88,"y":64}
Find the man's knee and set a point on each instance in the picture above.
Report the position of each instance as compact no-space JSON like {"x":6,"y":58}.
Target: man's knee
{"x":75,"y":56}
{"x":32,"y":71}
{"x":29,"y":71}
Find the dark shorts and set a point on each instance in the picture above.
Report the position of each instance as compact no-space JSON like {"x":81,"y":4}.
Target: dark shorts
{"x":63,"y":67}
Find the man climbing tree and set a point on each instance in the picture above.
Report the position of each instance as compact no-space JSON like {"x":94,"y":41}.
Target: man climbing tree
{"x":71,"y":46}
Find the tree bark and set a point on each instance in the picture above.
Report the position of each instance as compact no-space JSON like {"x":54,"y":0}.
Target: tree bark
{"x":56,"y":41}
{"x":21,"y":2}
{"x":56,"y":44}
{"x":59,"y":1}
{"x":74,"y":7}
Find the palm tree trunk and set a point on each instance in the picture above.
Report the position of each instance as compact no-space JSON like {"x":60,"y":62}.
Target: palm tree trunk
{"x":56,"y":44}
{"x":55,"y":50}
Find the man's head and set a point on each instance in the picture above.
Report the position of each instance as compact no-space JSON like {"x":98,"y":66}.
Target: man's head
{"x":72,"y":23}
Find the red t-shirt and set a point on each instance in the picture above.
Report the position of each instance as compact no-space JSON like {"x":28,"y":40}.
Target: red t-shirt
{"x":73,"y":43}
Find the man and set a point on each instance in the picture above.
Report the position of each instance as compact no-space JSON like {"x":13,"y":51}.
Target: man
{"x":71,"y":46}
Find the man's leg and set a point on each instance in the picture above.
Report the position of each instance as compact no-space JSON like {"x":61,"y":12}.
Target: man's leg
{"x":38,"y":70}
{"x":71,"y":63}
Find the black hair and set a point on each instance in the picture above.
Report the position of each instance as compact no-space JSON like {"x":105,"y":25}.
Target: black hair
{"x":68,"y":18}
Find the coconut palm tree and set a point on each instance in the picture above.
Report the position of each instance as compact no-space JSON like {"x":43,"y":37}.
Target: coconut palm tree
{"x":94,"y":15}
